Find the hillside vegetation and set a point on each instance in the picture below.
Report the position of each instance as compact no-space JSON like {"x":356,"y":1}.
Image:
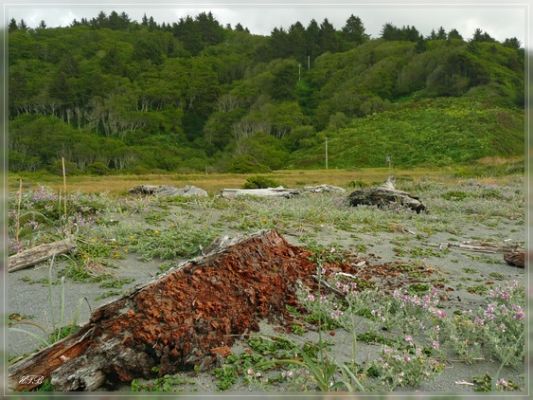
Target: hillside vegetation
{"x":114,"y":95}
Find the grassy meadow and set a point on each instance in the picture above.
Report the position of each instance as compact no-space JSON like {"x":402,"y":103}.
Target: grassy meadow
{"x":488,"y":169}
{"x":438,"y":327}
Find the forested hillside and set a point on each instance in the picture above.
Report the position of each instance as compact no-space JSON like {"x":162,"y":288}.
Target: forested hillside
{"x":114,"y":95}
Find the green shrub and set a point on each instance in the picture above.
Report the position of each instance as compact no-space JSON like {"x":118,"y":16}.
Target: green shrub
{"x":455,"y":195}
{"x":244,"y":164}
{"x":57,"y":168}
{"x":260,"y":182}
{"x":98,"y":168}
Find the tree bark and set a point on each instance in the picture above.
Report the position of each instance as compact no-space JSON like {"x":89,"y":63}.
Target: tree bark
{"x":175,"y":321}
{"x":40,"y":253}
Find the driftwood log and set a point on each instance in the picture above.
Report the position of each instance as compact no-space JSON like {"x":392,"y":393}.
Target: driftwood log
{"x":515,"y":258}
{"x":512,"y":254}
{"x":385,"y":195}
{"x":268,"y":192}
{"x":168,"y":191}
{"x":324,"y":188}
{"x":37,"y":254}
{"x":177,"y":321}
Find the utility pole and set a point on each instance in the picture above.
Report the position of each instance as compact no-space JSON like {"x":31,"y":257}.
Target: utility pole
{"x":299,"y":71}
{"x":308,"y":63}
{"x":326,"y":152}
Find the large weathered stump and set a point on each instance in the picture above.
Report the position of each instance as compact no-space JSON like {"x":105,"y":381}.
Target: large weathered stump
{"x":175,"y":321}
{"x":384,"y":196}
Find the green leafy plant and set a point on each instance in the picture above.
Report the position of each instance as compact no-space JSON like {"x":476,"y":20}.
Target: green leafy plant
{"x":167,"y":383}
{"x":404,"y":368}
{"x":260,"y":182}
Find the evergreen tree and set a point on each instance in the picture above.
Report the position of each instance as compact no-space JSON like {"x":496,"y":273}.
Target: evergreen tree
{"x":114,"y":21}
{"x":296,"y":37}
{"x":279,"y":44}
{"x":441,"y":34}
{"x":480,"y":36}
{"x":328,"y":40}
{"x":12,"y":25}
{"x":512,"y":42}
{"x":454,"y":34}
{"x":101,"y":20}
{"x":312,"y":37}
{"x":210,"y":30}
{"x":420,"y":46}
{"x":152,"y":25}
{"x":125,"y":20}
{"x":409,"y":33}
{"x":354,"y":30}
{"x":23,"y":26}
{"x":389,"y":32}
{"x":42,"y":25}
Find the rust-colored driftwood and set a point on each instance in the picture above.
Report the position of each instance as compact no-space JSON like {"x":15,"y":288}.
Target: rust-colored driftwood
{"x":516,"y":258}
{"x":177,"y":321}
{"x":38,"y":254}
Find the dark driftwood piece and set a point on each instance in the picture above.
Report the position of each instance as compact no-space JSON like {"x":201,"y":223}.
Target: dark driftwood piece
{"x":516,"y":258}
{"x":385,"y":195}
{"x":38,"y":254}
{"x":178,"y":320}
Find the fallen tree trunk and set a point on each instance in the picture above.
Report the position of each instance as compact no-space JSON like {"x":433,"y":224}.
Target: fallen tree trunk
{"x":269,"y":192}
{"x":481,"y":247}
{"x":40,"y":253}
{"x":512,"y":255}
{"x":168,"y":191}
{"x":175,"y":321}
{"x":385,"y":195}
{"x":324,"y":188}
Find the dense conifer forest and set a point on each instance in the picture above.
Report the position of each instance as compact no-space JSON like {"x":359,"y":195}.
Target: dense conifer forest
{"x":114,"y":95}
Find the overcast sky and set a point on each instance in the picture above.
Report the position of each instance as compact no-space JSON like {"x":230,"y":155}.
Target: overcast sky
{"x":500,"y":22}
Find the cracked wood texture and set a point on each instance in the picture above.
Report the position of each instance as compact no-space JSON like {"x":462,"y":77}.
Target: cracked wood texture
{"x":38,"y":254}
{"x":385,"y":196}
{"x":176,"y":320}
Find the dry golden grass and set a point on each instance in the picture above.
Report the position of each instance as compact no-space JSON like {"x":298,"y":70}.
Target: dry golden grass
{"x":495,"y":160}
{"x":213,"y":183}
